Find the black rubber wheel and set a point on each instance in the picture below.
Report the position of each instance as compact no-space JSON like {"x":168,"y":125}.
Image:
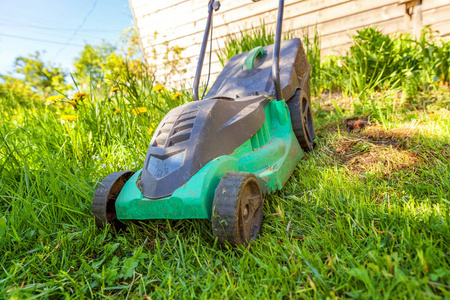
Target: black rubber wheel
{"x":103,"y":204}
{"x":301,"y":117}
{"x":237,"y":209}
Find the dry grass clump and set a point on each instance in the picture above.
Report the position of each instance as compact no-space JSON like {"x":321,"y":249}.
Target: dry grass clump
{"x":374,"y":150}
{"x":382,"y":160}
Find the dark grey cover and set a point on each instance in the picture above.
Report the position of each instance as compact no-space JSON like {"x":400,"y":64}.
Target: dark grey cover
{"x":192,"y":135}
{"x":234,"y":82}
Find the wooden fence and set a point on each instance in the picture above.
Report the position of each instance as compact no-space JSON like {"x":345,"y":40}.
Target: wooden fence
{"x":166,"y":27}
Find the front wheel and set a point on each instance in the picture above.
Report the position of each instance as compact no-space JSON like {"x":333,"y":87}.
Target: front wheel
{"x":237,"y":209}
{"x":104,"y":202}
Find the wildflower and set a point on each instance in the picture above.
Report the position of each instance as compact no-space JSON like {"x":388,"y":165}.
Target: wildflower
{"x":158,"y":88}
{"x":60,"y":106}
{"x":53,"y":99}
{"x":68,"y":117}
{"x":117,"y":111}
{"x":339,"y":63}
{"x":80,"y":96}
{"x":114,"y":89}
{"x":152,"y":128}
{"x":139,"y":110}
{"x":73,"y":102}
{"x":176,"y":95}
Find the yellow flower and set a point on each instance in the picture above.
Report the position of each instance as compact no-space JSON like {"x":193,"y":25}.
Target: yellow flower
{"x":176,"y":95}
{"x":60,"y":106}
{"x":158,"y":88}
{"x":80,"y":96}
{"x":73,"y":102}
{"x":117,"y":111}
{"x":152,"y":128}
{"x":114,"y":89}
{"x":53,"y":99}
{"x":139,"y":110}
{"x":68,"y":117}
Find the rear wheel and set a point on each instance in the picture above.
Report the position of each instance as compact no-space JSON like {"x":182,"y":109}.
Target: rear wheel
{"x":104,"y":202}
{"x":301,"y":117}
{"x":237,"y":209}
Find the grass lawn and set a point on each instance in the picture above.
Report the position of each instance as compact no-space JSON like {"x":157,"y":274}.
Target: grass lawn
{"x":365,"y":215}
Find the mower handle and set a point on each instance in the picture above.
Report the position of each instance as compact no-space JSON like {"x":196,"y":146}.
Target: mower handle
{"x":215,"y":5}
{"x":212,"y":5}
{"x":276,"y":54}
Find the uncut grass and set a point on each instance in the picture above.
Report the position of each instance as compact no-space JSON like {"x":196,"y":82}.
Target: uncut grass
{"x":340,"y":227}
{"x":365,"y":215}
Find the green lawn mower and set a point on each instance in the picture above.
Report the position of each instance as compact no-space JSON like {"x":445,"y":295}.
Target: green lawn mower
{"x":217,"y":157}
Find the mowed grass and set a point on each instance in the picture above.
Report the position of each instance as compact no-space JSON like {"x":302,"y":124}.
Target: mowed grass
{"x":365,"y":215}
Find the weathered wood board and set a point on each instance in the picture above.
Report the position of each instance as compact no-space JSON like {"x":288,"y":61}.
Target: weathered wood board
{"x":182,"y":23}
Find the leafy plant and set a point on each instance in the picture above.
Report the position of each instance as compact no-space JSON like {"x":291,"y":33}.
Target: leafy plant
{"x":246,"y":40}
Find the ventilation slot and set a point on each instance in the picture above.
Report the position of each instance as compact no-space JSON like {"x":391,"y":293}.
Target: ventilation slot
{"x":161,"y":139}
{"x":180,"y":137}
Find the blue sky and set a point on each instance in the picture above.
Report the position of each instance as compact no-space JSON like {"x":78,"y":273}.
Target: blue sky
{"x":50,"y":27}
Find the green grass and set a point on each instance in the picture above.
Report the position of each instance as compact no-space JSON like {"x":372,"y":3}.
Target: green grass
{"x":365,"y":215}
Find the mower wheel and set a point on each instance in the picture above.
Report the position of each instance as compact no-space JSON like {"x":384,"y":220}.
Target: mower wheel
{"x":301,"y":117}
{"x":103,"y":204}
{"x":237,"y":209}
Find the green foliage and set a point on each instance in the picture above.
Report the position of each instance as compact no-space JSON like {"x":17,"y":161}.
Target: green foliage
{"x":376,"y":62}
{"x":312,"y":49}
{"x":40,"y":76}
{"x":90,"y":65}
{"x":15,"y":92}
{"x":104,"y":63}
{"x":246,"y":40}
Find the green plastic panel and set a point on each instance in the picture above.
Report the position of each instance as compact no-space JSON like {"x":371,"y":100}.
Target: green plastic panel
{"x":271,"y":154}
{"x":252,"y":55}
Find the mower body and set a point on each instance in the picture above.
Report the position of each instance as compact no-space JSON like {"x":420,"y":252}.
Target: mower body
{"x":239,"y":127}
{"x":272,"y":154}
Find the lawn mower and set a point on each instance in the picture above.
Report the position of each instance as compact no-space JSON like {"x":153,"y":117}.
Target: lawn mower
{"x":215,"y":158}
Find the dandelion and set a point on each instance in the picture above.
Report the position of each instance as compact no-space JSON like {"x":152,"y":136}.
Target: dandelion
{"x":117,"y":111}
{"x":60,"y":106}
{"x":176,"y":95}
{"x":139,"y":110}
{"x":80,"y":96}
{"x":152,"y":128}
{"x":73,"y":102}
{"x":158,"y":88}
{"x":53,"y":99}
{"x":68,"y":117}
{"x":114,"y":89}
